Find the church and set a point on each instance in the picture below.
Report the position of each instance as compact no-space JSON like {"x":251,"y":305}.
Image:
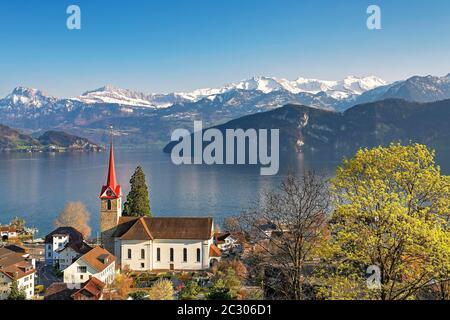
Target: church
{"x":153,"y":243}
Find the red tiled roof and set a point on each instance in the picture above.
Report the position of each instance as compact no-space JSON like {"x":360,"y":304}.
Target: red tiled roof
{"x":214,"y":251}
{"x":19,"y":270}
{"x":8,"y":228}
{"x":91,"y":289}
{"x":98,"y":258}
{"x":58,"y":291}
{"x":13,"y":265}
{"x":8,"y":257}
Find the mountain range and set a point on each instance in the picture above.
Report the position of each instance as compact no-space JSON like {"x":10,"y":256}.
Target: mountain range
{"x":331,"y":134}
{"x":338,"y":90}
{"x":14,"y":140}
{"x":141,"y":119}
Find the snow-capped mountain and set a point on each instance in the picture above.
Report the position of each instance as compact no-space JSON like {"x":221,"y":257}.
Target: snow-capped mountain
{"x":417,"y":88}
{"x":32,"y":103}
{"x":32,"y":98}
{"x":141,"y":117}
{"x":110,"y":94}
{"x":337,"y":90}
{"x":342,"y":89}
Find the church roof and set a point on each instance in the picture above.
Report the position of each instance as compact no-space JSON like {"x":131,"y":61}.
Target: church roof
{"x":111,"y":181}
{"x":137,"y":231}
{"x":149,"y":228}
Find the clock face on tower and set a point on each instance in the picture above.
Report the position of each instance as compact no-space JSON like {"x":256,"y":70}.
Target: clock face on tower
{"x":109,"y":193}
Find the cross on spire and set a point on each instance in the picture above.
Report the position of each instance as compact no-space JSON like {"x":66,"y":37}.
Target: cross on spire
{"x":111,"y":133}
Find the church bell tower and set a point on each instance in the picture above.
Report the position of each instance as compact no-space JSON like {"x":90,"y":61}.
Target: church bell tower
{"x":110,"y":203}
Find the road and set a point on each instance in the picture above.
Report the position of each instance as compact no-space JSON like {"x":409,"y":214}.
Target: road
{"x":45,"y":275}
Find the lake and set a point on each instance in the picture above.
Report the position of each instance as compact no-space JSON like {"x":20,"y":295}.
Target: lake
{"x":37,"y":186}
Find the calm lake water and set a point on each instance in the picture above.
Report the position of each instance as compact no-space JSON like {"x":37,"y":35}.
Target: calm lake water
{"x":37,"y":186}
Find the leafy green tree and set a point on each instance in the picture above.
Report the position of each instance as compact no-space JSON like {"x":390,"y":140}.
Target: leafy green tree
{"x":16,"y":293}
{"x":219,"y":291}
{"x":232,"y":281}
{"x":391,"y":211}
{"x":138,"y":203}
{"x":190,"y":291}
{"x":226,"y":286}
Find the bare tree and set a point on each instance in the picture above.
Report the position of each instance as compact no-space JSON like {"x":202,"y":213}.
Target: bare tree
{"x":74,"y":215}
{"x":231,"y":224}
{"x":287,"y":230}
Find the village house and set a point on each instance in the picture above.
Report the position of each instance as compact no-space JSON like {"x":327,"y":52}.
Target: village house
{"x":71,"y":252}
{"x":92,"y":289}
{"x":153,"y":243}
{"x":14,"y":267}
{"x":8,"y":232}
{"x":56,"y":240}
{"x":97,"y":262}
{"x":59,"y":291}
{"x":225,"y":241}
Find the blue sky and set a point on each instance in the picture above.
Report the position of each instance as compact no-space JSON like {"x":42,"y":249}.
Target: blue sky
{"x":179,"y":45}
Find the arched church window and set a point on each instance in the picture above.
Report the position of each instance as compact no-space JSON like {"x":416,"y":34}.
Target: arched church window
{"x":198,"y":255}
{"x":109,"y":204}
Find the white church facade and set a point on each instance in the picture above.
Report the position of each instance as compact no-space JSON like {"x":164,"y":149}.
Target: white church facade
{"x":154,"y":243}
{"x":165,"y":243}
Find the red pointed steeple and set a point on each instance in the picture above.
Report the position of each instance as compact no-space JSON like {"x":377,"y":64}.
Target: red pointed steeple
{"x":111,"y":182}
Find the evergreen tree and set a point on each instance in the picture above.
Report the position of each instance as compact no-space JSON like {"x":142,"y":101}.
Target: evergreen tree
{"x":219,"y":291}
{"x":190,"y":291}
{"x":138,"y":203}
{"x":15,"y":293}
